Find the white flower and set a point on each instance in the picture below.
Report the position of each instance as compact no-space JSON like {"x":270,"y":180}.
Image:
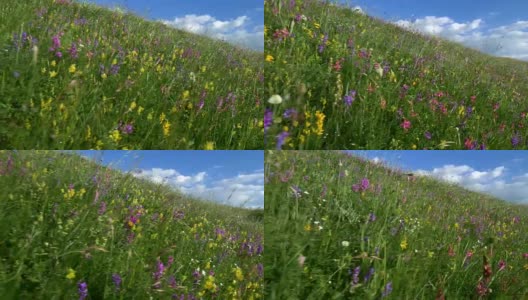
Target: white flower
{"x":192,"y":77}
{"x":345,"y":243}
{"x":275,"y":99}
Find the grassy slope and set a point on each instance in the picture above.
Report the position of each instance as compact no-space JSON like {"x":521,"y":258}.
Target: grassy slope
{"x":442,"y":77}
{"x":44,"y":233}
{"x":162,"y":76}
{"x":408,"y":244}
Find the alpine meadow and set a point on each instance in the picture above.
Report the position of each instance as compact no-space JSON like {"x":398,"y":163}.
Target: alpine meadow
{"x":339,"y":226}
{"x":337,"y":78}
{"x":75,"y":75}
{"x":72,"y":228}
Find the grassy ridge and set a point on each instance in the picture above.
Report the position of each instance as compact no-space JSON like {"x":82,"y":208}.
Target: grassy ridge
{"x":340,"y":227}
{"x":350,"y":81}
{"x":78,"y":76}
{"x":72,"y":227}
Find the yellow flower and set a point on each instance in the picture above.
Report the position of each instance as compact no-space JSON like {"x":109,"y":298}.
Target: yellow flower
{"x":53,"y":63}
{"x":166,"y":128}
{"x":71,"y":273}
{"x":307,"y":227}
{"x":72,"y":69}
{"x":115,"y":136}
{"x":132,"y":106}
{"x":320,"y":121}
{"x":140,"y":110}
{"x":403,"y":244}
{"x":185,"y":95}
{"x":53,"y":74}
{"x":269,"y":58}
{"x":104,"y":76}
{"x":209,"y":146}
{"x":317,"y":25}
{"x":203,"y":69}
{"x":210,"y":284}
{"x":238,"y":274}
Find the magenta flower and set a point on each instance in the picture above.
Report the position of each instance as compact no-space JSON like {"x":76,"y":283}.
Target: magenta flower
{"x":406,"y":124}
{"x":502,"y":265}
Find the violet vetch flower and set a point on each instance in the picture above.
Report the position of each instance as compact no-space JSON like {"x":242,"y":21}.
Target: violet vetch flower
{"x":387,"y":290}
{"x":355,"y":275}
{"x":117,"y":280}
{"x":73,"y":51}
{"x":349,"y":99}
{"x":515,"y":140}
{"x":268,"y":119}
{"x":83,"y":290}
{"x":290,"y":113}
{"x":369,"y":275}
{"x":281,"y":139}
{"x":372,"y":217}
{"x":428,"y":135}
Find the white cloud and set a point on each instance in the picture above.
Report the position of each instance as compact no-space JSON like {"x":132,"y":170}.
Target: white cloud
{"x":507,"y":41}
{"x":237,"y":31}
{"x":376,"y":160}
{"x":493,"y":181}
{"x":245,"y":190}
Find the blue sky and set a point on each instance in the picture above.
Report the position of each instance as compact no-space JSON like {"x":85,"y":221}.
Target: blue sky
{"x":237,"y":21}
{"x":496,"y":27}
{"x":212,"y":175}
{"x":500,"y":173}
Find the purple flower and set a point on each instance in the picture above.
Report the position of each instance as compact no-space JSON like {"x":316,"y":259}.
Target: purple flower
{"x":515,"y":140}
{"x":355,"y":275}
{"x":427,"y":135}
{"x":387,"y":290}
{"x":56,"y":43}
{"x":73,"y":51}
{"x":102,"y":208}
{"x":117,"y":280}
{"x":369,"y":275}
{"x":172,"y":281}
{"x":365,"y":184}
{"x":127,"y":128}
{"x":372,"y":217}
{"x":114,"y":69}
{"x":58,"y":54}
{"x":260,"y":270}
{"x":83,"y":290}
{"x":290,"y":113}
{"x":268,"y":119}
{"x":323,"y":43}
{"x":349,"y":99}
{"x":202,"y":99}
{"x":281,"y":138}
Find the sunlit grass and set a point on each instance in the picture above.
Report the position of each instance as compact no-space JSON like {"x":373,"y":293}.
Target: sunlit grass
{"x":78,"y":76}
{"x":340,"y":227}
{"x":349,"y":81}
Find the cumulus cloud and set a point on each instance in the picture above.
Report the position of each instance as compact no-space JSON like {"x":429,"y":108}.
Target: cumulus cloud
{"x":493,"y":181}
{"x":245,"y":190}
{"x":238,"y":31}
{"x":507,"y":41}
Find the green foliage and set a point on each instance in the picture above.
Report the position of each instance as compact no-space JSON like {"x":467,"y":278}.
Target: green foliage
{"x":425,"y":238}
{"x":117,"y":81}
{"x":411,"y":91}
{"x":66,"y":220}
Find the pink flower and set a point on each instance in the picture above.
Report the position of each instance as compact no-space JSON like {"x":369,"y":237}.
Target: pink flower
{"x":502,"y":265}
{"x":406,"y":124}
{"x":469,"y":254}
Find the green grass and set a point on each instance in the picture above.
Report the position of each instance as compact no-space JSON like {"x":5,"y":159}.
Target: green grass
{"x":428,"y":239}
{"x":133,"y":84}
{"x":63,"y":215}
{"x":463,"y":98}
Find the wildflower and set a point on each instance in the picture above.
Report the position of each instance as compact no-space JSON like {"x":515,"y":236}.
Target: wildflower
{"x":301,"y":260}
{"x":281,"y":139}
{"x":238,"y":274}
{"x":372,"y":217}
{"x":210,"y":284}
{"x":515,"y":140}
{"x":115,"y":136}
{"x":58,"y":54}
{"x":71,"y":274}
{"x":349,"y":99}
{"x":53,"y":74}
{"x":403,"y":244}
{"x":378,"y":69}
{"x":268,"y":119}
{"x":427,"y":135}
{"x":73,"y":51}
{"x":117,"y":280}
{"x":502,"y":265}
{"x":166,"y":128}
{"x":364,"y":184}
{"x":83,"y":290}
{"x":209,"y":146}
{"x":269,"y":58}
{"x":127,"y":128}
{"x":102,"y":208}
{"x":345,"y":243}
{"x":322,"y":46}
{"x":72,"y":68}
{"x":275,"y":99}
{"x":387,"y":290}
{"x":406,"y":124}
{"x":185,"y":95}
{"x":369,"y":275}
{"x":319,"y":122}
{"x":355,"y":275}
